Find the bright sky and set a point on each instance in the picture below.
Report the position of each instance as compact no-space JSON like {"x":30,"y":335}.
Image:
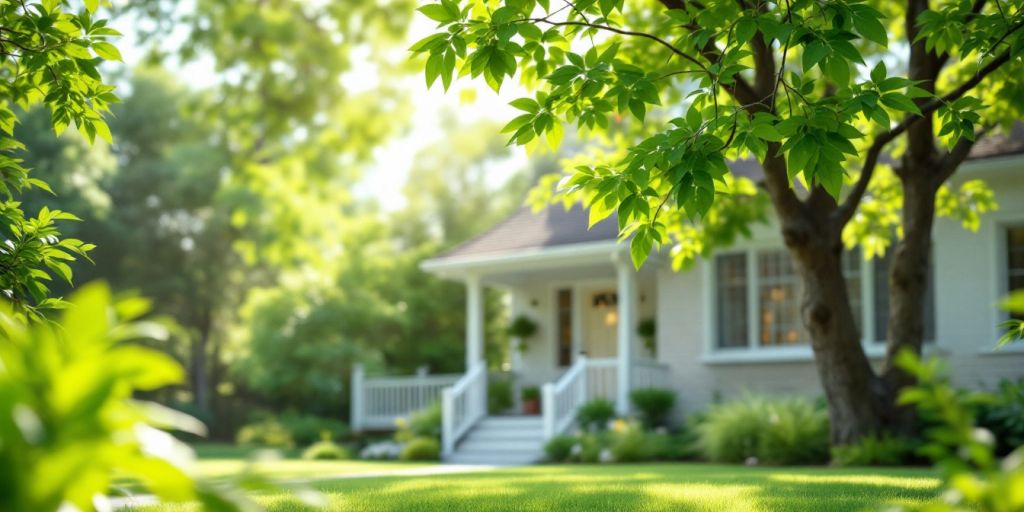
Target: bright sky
{"x":385,"y":179}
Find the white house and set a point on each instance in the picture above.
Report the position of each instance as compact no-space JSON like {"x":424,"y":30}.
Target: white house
{"x":728,"y":325}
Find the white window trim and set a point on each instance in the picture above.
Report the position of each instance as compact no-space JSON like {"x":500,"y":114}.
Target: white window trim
{"x":999,"y":287}
{"x":754,"y":352}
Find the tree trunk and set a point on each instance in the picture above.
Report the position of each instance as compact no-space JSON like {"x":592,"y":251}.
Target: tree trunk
{"x":856,"y":397}
{"x":200,"y":367}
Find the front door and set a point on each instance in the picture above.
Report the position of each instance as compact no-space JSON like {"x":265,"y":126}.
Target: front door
{"x":600,"y":323}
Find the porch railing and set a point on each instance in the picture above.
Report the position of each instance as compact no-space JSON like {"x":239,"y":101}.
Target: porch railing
{"x":602,"y":378}
{"x":561,"y":399}
{"x":462,"y":405}
{"x":378,"y":401}
{"x":650,"y":374}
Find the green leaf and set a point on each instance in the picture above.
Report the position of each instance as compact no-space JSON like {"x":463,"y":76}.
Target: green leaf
{"x":878,"y":72}
{"x":436,"y":12}
{"x":813,"y":53}
{"x":107,"y":51}
{"x":640,"y":246}
{"x":745,"y":29}
{"x":901,"y":102}
{"x":869,"y":27}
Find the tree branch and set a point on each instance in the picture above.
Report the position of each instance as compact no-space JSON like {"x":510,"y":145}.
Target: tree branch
{"x":845,"y":212}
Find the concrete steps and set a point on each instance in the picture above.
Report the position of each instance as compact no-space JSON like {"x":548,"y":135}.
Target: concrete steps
{"x":501,"y":441}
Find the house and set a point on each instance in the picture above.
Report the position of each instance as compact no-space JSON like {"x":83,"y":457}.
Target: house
{"x":729,"y":325}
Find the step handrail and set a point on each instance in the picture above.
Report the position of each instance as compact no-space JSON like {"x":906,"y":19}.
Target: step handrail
{"x":462,"y":405}
{"x":562,"y":398}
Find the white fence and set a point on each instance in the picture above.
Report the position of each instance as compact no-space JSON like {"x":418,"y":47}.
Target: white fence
{"x":378,"y":401}
{"x":462,"y":405}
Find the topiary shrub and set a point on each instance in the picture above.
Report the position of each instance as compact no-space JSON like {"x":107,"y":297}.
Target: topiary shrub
{"x":325,"y":449}
{"x":421,"y":448}
{"x":307,"y":428}
{"x":773,"y":431}
{"x":654,"y":405}
{"x":559,"y":448}
{"x":268,"y":432}
{"x":877,"y":451}
{"x":595,"y":414}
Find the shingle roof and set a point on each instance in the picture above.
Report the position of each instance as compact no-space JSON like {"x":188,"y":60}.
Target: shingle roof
{"x":556,"y":226}
{"x":525,"y":229}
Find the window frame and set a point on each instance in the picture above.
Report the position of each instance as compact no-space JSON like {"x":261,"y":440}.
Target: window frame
{"x":753,"y":350}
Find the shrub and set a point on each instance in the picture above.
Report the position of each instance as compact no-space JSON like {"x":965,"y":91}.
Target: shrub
{"x":877,"y":451}
{"x":559,"y":448}
{"x":590,"y":448}
{"x":778,"y":431}
{"x":632,"y":444}
{"x":1003,"y":415}
{"x":654,"y":405}
{"x":499,"y":395}
{"x":423,"y":423}
{"x":307,"y":428}
{"x":421,"y":448}
{"x":267,"y":432}
{"x":595,"y":414}
{"x":325,"y":449}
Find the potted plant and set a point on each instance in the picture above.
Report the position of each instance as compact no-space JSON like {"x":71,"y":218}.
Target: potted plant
{"x":647,"y":329}
{"x":522,"y":328}
{"x":531,"y":400}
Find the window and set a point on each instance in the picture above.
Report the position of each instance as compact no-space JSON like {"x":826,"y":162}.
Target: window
{"x":1015,"y":261}
{"x":880,"y":269}
{"x":565,"y":334}
{"x":732,"y":300}
{"x":777,"y":297}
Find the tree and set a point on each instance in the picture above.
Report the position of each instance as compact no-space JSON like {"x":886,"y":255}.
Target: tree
{"x":48,"y":56}
{"x":823,"y":94}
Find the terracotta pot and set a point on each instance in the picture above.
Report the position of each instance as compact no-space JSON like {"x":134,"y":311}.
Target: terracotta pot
{"x":531,"y":406}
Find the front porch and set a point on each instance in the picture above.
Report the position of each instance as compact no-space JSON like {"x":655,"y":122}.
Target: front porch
{"x":586,"y":301}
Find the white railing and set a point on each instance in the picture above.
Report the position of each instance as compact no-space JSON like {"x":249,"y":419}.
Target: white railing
{"x":602,"y":378}
{"x":376,"y":402}
{"x":561,"y":399}
{"x":462,"y":405}
{"x":650,"y":374}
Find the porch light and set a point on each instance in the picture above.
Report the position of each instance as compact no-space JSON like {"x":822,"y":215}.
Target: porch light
{"x":611,"y":318}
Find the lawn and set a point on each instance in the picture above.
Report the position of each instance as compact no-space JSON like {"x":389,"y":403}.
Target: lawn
{"x":642,"y":487}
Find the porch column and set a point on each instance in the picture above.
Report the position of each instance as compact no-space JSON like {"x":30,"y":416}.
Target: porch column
{"x":627,"y":325}
{"x":474,"y":321}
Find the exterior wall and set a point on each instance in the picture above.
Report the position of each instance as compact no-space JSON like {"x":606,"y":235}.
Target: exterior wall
{"x":969,"y":281}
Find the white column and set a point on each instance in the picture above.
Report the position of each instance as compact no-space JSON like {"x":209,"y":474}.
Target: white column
{"x":627,"y":327}
{"x":474,"y":321}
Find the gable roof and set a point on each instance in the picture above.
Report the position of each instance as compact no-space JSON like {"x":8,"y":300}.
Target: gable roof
{"x":555,"y":226}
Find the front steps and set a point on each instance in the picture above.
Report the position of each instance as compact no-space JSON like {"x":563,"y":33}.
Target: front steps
{"x":502,"y":441}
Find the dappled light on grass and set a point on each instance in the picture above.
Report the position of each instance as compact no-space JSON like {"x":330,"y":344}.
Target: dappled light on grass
{"x":646,"y":487}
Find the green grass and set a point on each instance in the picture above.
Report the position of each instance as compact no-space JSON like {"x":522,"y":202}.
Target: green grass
{"x":641,"y":487}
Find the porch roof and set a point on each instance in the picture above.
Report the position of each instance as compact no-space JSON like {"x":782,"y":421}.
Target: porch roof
{"x":526,"y":230}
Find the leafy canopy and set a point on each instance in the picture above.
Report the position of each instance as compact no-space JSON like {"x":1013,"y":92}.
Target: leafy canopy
{"x":806,"y":86}
{"x":49,"y":54}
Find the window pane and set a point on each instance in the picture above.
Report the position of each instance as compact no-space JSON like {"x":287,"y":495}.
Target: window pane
{"x":565,"y":327}
{"x":731,"y":304}
{"x":852,"y":274}
{"x":881,"y":299}
{"x":1015,"y":260}
{"x":779,"y":292}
